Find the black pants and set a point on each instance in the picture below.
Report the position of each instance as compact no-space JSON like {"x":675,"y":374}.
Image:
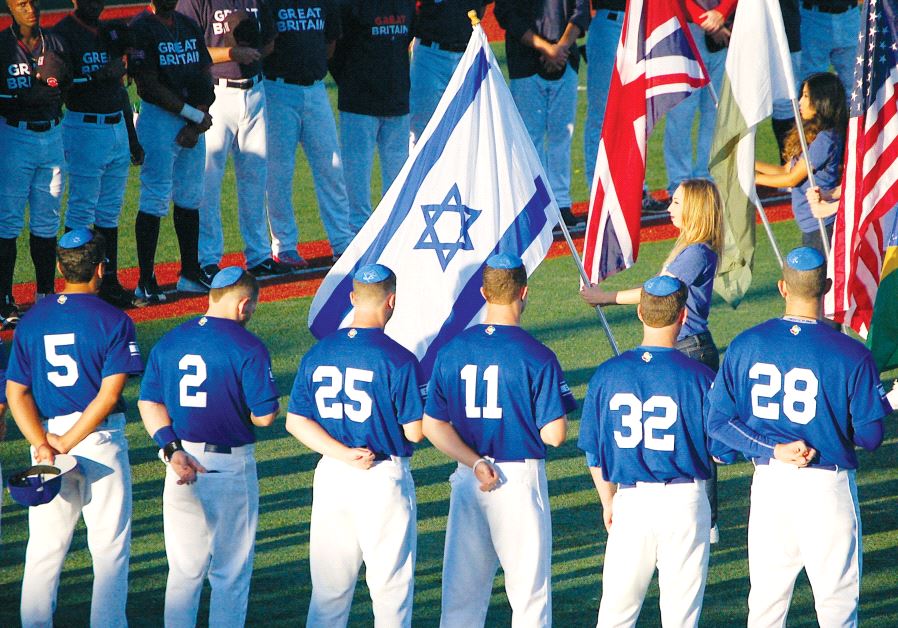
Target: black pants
{"x":701,"y":347}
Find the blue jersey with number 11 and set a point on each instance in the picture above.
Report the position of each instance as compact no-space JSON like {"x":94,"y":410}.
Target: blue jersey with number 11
{"x":499,"y":387}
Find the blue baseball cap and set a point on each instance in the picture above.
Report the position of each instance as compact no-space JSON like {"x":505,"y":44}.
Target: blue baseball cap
{"x":75,"y":238}
{"x":227,"y":276}
{"x":40,"y":483}
{"x":662,"y":285}
{"x":805,"y":258}
{"x":372,"y":273}
{"x":504,"y":261}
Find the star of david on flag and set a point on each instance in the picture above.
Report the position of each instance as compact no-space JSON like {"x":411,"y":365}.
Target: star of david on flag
{"x":472,"y":186}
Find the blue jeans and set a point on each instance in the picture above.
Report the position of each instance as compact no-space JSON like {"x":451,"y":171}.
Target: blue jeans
{"x":829,"y":38}
{"x":601,"y":50}
{"x":678,"y":145}
{"x":430,"y":71}
{"x":303,"y":115}
{"x":548,"y":109}
{"x":359,"y":136}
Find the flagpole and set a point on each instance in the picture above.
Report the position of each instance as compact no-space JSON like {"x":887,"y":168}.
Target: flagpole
{"x":766,"y":223}
{"x":807,"y":160}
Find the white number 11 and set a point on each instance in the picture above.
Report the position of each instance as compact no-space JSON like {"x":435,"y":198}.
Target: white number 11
{"x":491,"y":377}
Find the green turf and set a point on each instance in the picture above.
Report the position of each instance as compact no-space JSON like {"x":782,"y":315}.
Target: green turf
{"x":280,"y":589}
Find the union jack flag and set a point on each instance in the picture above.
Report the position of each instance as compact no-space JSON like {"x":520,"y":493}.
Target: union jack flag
{"x":657,"y":66}
{"x":869,"y":180}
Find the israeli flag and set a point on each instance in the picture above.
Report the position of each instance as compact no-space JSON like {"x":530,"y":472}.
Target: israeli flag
{"x":472,"y":186}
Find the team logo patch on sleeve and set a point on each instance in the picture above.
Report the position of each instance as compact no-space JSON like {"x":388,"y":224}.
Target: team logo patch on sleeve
{"x":134,"y":349}
{"x":881,"y":390}
{"x":422,"y":390}
{"x":564,"y":388}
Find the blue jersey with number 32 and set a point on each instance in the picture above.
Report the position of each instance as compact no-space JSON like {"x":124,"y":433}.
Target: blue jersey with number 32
{"x":795,"y":379}
{"x":361,"y":386}
{"x":210,"y":373}
{"x":643,"y":417}
{"x":499,"y":387}
{"x":65,"y":345}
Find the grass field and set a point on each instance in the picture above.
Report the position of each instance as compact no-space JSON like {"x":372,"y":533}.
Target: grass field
{"x":556,"y":316}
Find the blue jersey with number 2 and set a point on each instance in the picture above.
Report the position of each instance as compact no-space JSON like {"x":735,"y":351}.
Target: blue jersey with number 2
{"x":361,"y":386}
{"x":499,"y":387}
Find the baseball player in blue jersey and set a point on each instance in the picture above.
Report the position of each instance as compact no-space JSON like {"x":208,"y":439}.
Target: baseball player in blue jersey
{"x":31,"y":156}
{"x":496,"y":398}
{"x":643,"y":431}
{"x":356,"y":400}
{"x":796,"y":397}
{"x":207,"y":383}
{"x":98,"y":133}
{"x":170,"y":63}
{"x":71,"y":357}
{"x":3,"y":359}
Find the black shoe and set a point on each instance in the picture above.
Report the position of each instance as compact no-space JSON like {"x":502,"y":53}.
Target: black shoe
{"x":195,"y":281}
{"x":115,"y":294}
{"x":651,"y":205}
{"x":268,"y":268}
{"x":9,"y":313}
{"x":570,"y":219}
{"x":150,"y":291}
{"x":210,"y":270}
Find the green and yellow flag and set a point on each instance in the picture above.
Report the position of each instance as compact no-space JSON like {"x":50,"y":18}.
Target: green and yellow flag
{"x":882,"y":339}
{"x":758,"y":71}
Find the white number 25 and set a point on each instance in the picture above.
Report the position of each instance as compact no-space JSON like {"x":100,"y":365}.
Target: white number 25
{"x":329,"y":407}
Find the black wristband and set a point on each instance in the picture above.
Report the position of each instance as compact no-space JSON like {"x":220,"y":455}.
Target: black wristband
{"x":169,"y":450}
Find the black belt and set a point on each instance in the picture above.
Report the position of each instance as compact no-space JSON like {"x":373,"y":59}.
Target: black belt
{"x":39,"y":126}
{"x":209,"y":448}
{"x":247,"y":83}
{"x":508,"y":459}
{"x":447,"y":47}
{"x":827,"y":8}
{"x":278,"y":79}
{"x":760,"y":462}
{"x":665,"y":483}
{"x":379,"y":456}
{"x":92,"y":118}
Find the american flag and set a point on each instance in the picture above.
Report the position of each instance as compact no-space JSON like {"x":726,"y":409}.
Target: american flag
{"x":870,"y":180}
{"x":657,"y":66}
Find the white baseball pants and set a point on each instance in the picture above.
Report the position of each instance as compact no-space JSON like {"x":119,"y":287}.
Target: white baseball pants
{"x":803,"y":518}
{"x":656,"y":525}
{"x":358,"y":516}
{"x":238,"y":125}
{"x":99,"y":489}
{"x":210,"y":531}
{"x":509,"y":526}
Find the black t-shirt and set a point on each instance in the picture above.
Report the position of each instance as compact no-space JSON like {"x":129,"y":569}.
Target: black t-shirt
{"x":22,"y":97}
{"x":86,"y":55}
{"x":304,"y":29}
{"x":211,"y":16}
{"x":792,"y":23}
{"x":177,"y":55}
{"x":371,"y":64}
{"x":610,"y":5}
{"x":446,"y":21}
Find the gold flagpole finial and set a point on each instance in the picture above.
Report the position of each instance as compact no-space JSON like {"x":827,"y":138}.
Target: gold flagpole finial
{"x":475,"y":20}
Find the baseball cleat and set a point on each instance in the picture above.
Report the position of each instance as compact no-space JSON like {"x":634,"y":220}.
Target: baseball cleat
{"x":115,"y":294}
{"x":292,"y":260}
{"x":268,"y":268}
{"x":150,"y":291}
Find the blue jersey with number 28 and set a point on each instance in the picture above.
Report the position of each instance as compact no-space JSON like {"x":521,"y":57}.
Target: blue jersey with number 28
{"x":361,"y":386}
{"x":796,"y":379}
{"x":644,"y":417}
{"x":65,"y":345}
{"x":499,"y":387}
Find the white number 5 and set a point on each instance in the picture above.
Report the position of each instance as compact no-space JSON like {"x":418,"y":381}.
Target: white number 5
{"x":61,"y":379}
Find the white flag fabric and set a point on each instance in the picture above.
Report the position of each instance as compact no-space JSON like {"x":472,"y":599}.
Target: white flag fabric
{"x":472,"y":186}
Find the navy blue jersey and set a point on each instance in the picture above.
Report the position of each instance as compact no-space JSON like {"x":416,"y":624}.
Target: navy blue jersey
{"x":695,"y":266}
{"x":210,"y":373}
{"x":87,"y":54}
{"x":643,"y":417}
{"x":361,"y":386}
{"x":23,"y":97}
{"x":499,"y":387}
{"x":176,"y":54}
{"x":211,"y":16}
{"x":65,"y":345}
{"x":304,"y":29}
{"x":795,"y":379}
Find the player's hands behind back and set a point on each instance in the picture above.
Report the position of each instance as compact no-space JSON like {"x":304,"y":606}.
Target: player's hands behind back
{"x":359,"y":457}
{"x":486,"y":474}
{"x":186,"y":466}
{"x":797,"y":453}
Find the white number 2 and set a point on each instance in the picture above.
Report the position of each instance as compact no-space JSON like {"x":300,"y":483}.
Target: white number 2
{"x":799,"y":403}
{"x":329,"y":407}
{"x":640,"y":430}
{"x":491,"y":377}
{"x":192,"y":380}
{"x":70,"y":375}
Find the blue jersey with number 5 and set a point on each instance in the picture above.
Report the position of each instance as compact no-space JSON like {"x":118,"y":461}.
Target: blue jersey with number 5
{"x":796,"y":379}
{"x":210,"y":373}
{"x":361,"y":386}
{"x":65,"y":345}
{"x":643,"y":417}
{"x":499,"y":387}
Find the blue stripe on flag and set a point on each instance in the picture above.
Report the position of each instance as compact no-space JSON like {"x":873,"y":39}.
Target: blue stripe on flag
{"x":337,"y":305}
{"x":612,"y":256}
{"x":517,"y":238}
